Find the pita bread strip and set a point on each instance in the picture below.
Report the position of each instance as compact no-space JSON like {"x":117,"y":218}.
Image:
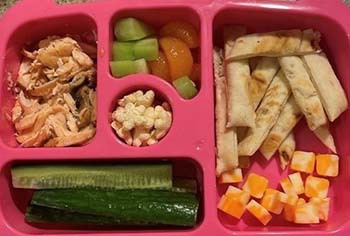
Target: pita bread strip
{"x":331,"y":93}
{"x":290,"y":116}
{"x":325,"y":136}
{"x":310,"y":41}
{"x":226,"y":138}
{"x":231,"y":33}
{"x":304,"y":91}
{"x":261,"y":77}
{"x":271,"y":44}
{"x":266,"y":116}
{"x":286,"y":150}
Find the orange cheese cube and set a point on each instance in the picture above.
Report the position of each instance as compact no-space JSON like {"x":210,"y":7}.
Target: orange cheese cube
{"x":288,"y":199}
{"x":255,"y":185}
{"x":316,"y":187}
{"x":241,"y":195}
{"x":297,"y":182}
{"x":233,"y":176}
{"x":306,"y":214}
{"x":231,"y":206}
{"x":287,"y":186}
{"x":322,"y":206}
{"x":289,"y":210}
{"x":327,"y":165}
{"x":259,"y":212}
{"x":271,"y":201}
{"x":244,"y":162}
{"x":303,"y":161}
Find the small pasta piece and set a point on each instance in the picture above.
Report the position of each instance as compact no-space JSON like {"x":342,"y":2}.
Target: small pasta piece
{"x":297,"y":182}
{"x":232,"y":176}
{"x":255,"y":185}
{"x":316,"y":187}
{"x":327,"y":165}
{"x":259,"y":212}
{"x":303,"y":162}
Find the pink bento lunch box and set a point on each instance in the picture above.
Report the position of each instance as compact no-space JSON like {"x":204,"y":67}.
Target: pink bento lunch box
{"x":190,"y":143}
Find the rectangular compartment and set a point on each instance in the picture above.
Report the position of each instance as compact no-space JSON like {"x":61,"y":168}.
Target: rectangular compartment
{"x":26,"y":34}
{"x":14,"y":201}
{"x":336,"y":45}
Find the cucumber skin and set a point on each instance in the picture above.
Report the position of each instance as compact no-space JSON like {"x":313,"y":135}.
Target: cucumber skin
{"x":149,"y":206}
{"x":39,"y":214}
{"x":136,"y":176}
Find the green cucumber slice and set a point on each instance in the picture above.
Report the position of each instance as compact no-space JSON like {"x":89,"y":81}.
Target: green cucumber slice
{"x":185,"y":87}
{"x":132,"y":176}
{"x":141,"y":66}
{"x":122,"y":68}
{"x":129,"y":29}
{"x":123,"y":51}
{"x":184,"y":185}
{"x":150,"y":206}
{"x":146,"y":48}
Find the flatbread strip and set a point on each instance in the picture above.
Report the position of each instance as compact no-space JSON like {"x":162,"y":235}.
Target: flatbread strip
{"x":304,"y":91}
{"x":272,"y":44}
{"x":261,"y":78}
{"x":310,"y":42}
{"x":286,"y":150}
{"x":226,"y":138}
{"x":267,"y":115}
{"x":290,"y":116}
{"x":231,"y":33}
{"x":325,"y":136}
{"x":331,"y":93}
{"x":240,"y":111}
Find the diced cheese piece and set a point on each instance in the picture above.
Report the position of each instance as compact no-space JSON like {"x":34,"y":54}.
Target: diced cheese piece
{"x":303,"y":161}
{"x":297,"y":182}
{"x":322,"y":206}
{"x":234,"y":201}
{"x":316,"y":187}
{"x":239,"y":194}
{"x":289,"y":210}
{"x":233,"y":176}
{"x":287,"y":186}
{"x":255,"y":185}
{"x":306,"y":214}
{"x":244,"y":162}
{"x":259,"y":212}
{"x":327,"y":165}
{"x":288,"y":199}
{"x":271,"y":201}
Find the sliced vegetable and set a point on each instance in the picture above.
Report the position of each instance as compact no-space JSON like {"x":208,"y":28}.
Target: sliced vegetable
{"x":149,"y":206}
{"x":123,"y":51}
{"x":185,"y":87}
{"x":129,"y":29}
{"x":259,"y":212}
{"x":98,"y":176}
{"x":141,"y":66}
{"x":122,"y":68}
{"x":181,"y":30}
{"x":255,"y":185}
{"x":160,"y":67}
{"x":147,"y":49}
{"x":327,"y":165}
{"x":316,"y":187}
{"x":178,"y":56}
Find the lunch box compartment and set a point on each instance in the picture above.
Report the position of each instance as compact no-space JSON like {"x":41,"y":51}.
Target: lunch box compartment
{"x":25,"y":35}
{"x":260,"y":19}
{"x":14,"y":201}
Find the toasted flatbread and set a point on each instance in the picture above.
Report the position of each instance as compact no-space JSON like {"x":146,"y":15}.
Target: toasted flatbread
{"x":331,"y":93}
{"x":231,"y":33}
{"x":286,"y":150}
{"x":304,"y":91}
{"x":261,"y":77}
{"x":310,"y":42}
{"x":266,"y":116}
{"x":271,"y":44}
{"x":290,"y":116}
{"x":226,"y":138}
{"x":240,"y":112}
{"x":325,"y":136}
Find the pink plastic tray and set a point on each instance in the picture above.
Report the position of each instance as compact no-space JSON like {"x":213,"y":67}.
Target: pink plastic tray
{"x":190,"y":143}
